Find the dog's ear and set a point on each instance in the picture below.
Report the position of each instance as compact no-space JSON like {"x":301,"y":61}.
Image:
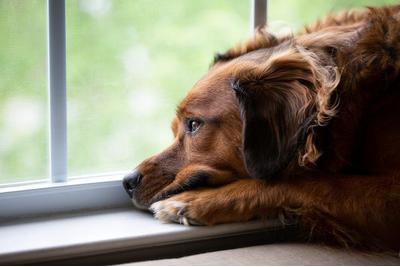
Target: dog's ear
{"x":279,"y":100}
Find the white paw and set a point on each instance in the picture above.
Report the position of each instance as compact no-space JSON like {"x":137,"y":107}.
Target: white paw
{"x":171,"y":211}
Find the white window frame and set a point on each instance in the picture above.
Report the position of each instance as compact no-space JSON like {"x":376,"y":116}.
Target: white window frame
{"x":59,"y":194}
{"x":57,"y":90}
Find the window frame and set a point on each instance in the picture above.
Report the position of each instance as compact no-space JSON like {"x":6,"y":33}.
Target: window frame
{"x":61,"y":193}
{"x":57,"y":90}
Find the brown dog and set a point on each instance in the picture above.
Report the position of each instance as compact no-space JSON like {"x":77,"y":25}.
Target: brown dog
{"x":305,"y":125}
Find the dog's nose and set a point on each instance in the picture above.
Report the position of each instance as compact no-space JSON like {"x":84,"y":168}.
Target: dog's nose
{"x":131,"y":181}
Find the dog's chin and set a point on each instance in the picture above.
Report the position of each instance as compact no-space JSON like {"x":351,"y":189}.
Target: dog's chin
{"x":138,"y":205}
{"x":146,"y":206}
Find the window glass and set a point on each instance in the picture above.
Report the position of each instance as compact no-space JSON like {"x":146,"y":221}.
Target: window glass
{"x":23,"y":100}
{"x":129,"y":63}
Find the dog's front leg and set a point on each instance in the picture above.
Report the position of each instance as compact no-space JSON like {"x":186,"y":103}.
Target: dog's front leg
{"x":332,"y":208}
{"x":239,"y":201}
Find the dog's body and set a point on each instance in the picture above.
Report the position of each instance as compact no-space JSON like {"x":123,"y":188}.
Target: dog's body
{"x":306,"y":125}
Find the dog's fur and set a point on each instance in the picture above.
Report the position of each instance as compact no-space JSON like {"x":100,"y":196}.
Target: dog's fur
{"x":305,"y":125}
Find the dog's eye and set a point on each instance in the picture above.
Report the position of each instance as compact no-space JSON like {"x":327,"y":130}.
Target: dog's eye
{"x":192,"y":125}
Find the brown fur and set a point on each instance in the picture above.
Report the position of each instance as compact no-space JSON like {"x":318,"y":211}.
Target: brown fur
{"x":305,"y":125}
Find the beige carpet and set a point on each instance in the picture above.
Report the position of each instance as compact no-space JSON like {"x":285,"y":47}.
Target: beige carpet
{"x":280,"y":254}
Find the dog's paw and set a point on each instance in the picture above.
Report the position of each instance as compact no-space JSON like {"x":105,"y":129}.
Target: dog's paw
{"x":172,"y":210}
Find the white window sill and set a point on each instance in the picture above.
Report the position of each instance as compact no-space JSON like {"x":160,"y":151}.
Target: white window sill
{"x":66,"y":237}
{"x":91,"y":220}
{"x":43,"y":198}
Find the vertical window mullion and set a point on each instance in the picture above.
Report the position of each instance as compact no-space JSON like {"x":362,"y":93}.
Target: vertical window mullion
{"x":258,"y":14}
{"x":57,"y":90}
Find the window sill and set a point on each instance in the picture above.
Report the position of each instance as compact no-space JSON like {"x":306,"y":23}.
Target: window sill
{"x":115,"y":236}
{"x":44,"y":198}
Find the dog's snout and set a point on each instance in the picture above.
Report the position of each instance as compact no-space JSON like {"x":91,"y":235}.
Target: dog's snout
{"x":131,"y":181}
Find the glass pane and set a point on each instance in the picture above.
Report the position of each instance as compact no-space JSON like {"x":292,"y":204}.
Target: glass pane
{"x":23,"y":100}
{"x":294,"y":14}
{"x":129,"y":63}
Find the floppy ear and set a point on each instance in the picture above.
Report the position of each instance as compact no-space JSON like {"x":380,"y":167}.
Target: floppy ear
{"x":279,"y":102}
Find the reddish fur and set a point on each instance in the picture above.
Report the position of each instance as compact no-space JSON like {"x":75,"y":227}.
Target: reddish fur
{"x":348,"y":192}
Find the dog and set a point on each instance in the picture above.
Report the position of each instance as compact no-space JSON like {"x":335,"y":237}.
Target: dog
{"x":304,"y":125}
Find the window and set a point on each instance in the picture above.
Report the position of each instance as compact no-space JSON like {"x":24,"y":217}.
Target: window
{"x":116,"y":70}
{"x":23,"y":100}
{"x":119,"y":63}
{"x":128,"y":65}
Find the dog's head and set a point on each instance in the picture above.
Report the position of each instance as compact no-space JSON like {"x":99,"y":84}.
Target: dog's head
{"x":248,"y":117}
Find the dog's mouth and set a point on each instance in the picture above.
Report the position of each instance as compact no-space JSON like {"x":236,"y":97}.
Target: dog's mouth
{"x":196,"y":181}
{"x":142,"y":195}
